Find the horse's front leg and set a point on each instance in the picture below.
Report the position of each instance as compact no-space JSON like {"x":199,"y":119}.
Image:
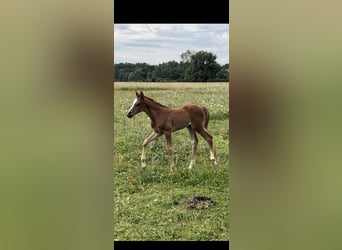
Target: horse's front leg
{"x":150,"y":138}
{"x":194,"y":142}
{"x":169,"y":150}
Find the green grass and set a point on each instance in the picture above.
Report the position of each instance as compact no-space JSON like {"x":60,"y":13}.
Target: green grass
{"x":152,"y":203}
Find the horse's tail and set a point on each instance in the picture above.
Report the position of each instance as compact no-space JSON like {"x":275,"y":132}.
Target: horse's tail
{"x":206,"y":117}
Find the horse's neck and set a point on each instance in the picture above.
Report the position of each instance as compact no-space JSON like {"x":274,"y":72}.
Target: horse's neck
{"x":153,"y":109}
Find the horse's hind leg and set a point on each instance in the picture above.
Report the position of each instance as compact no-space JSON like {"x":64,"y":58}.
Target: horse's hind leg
{"x":209,"y":140}
{"x":150,"y":138}
{"x":194,"y":142}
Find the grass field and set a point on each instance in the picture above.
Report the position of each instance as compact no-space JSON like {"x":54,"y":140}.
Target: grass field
{"x":152,"y":203}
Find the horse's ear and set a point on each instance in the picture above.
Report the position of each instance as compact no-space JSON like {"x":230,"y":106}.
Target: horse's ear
{"x":141,"y":94}
{"x":136,"y":93}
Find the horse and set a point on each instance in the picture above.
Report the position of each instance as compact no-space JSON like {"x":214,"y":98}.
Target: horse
{"x":165,"y":120}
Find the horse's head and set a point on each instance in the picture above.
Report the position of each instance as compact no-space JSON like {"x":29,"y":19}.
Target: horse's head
{"x":137,"y":106}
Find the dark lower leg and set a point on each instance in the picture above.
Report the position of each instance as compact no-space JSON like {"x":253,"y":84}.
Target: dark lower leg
{"x":169,"y":150}
{"x":194,"y":142}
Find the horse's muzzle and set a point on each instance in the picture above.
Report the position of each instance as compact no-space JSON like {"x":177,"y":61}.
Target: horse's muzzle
{"x":129,"y":115}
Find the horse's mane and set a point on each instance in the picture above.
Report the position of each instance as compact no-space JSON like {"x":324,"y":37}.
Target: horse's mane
{"x":150,"y":99}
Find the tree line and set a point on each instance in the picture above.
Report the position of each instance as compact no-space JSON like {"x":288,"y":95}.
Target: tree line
{"x":198,"y":66}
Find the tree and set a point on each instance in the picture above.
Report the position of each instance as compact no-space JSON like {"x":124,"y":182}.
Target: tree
{"x":138,"y":75}
{"x":223,"y":74}
{"x":195,"y":66}
{"x":202,"y":67}
{"x":186,"y":56}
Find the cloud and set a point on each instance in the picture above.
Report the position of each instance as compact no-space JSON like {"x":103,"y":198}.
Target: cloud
{"x":158,"y":43}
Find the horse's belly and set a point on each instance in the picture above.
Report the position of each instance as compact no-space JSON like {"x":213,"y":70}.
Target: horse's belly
{"x":179,"y":119}
{"x":180,"y":125}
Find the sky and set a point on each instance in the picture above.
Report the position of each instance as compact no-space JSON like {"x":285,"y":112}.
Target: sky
{"x":158,"y":43}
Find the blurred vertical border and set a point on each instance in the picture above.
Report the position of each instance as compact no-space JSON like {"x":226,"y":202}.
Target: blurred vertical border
{"x":285,"y":120}
{"x":56,"y":131}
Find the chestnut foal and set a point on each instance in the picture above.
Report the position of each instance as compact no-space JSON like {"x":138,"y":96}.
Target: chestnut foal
{"x":165,"y":120}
